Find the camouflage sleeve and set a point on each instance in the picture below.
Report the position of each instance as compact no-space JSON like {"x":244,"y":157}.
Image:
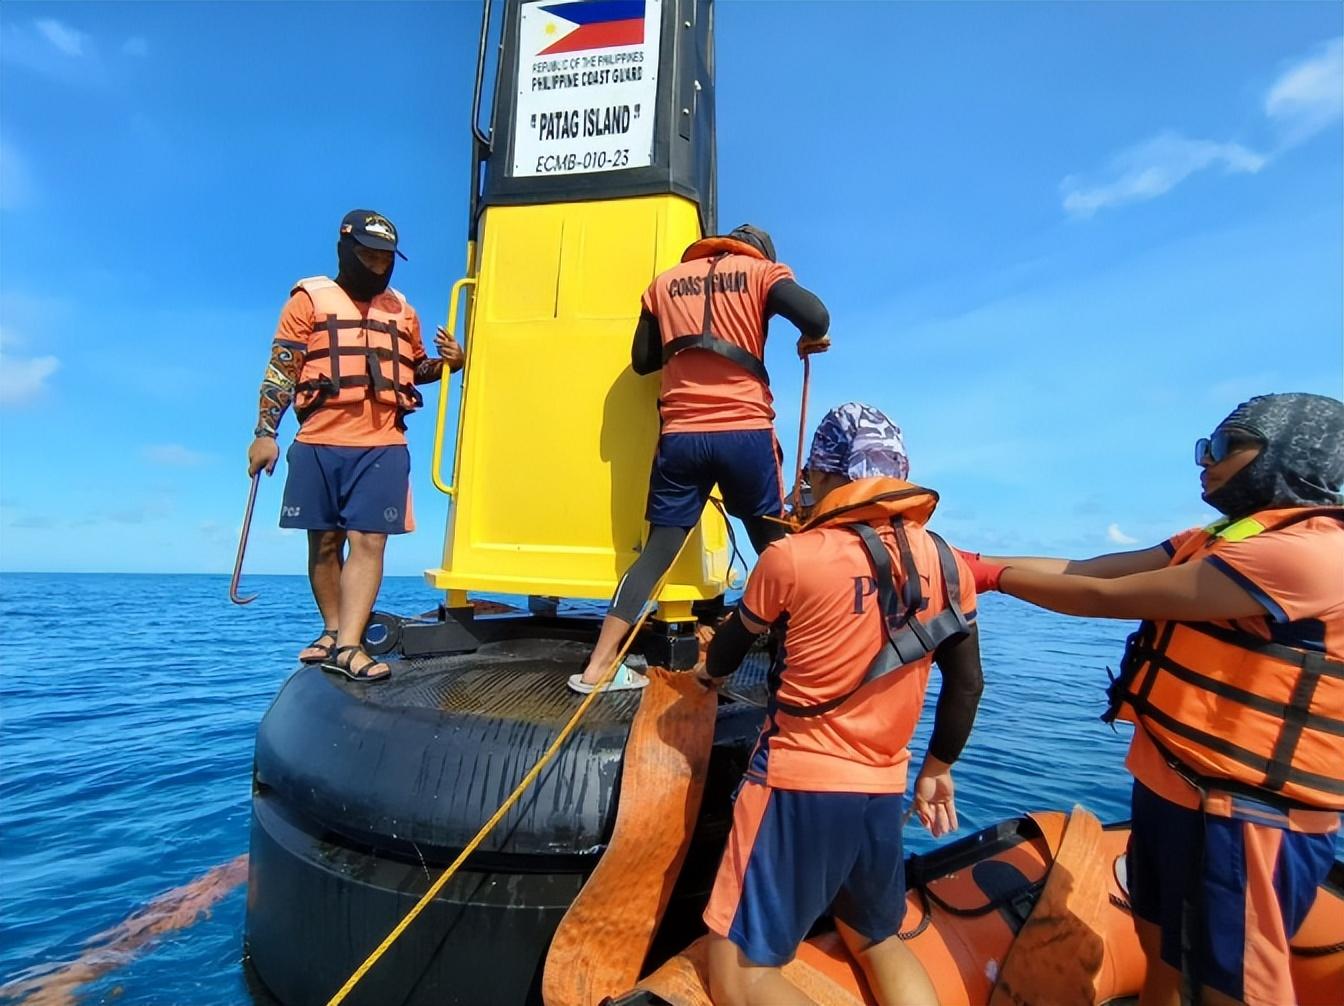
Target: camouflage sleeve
{"x":428,"y":370}
{"x":277,"y":387}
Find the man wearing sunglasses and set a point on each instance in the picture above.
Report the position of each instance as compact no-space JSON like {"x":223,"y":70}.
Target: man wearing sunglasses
{"x":1235,"y":684}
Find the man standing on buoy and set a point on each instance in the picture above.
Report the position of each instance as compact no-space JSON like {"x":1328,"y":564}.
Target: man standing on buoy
{"x":703,"y":324}
{"x":347,"y":353}
{"x":865,"y":600}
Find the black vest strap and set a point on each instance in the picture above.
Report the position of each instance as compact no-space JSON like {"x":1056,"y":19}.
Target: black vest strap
{"x":908,"y":639}
{"x":706,"y":339}
{"x":325,"y":387}
{"x":1146,"y":648}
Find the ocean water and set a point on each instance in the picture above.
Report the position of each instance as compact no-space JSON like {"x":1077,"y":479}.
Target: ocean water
{"x":130,"y":704}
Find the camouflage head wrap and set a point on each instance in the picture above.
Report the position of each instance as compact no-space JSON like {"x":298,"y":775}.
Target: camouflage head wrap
{"x":1302,"y":463}
{"x":858,"y":441}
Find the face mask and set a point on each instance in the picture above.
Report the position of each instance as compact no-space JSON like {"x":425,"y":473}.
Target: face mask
{"x":355,"y":278}
{"x":1301,"y":463}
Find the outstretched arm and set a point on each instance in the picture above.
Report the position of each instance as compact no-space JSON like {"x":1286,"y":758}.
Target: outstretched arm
{"x":1190,"y":592}
{"x":1108,"y":566}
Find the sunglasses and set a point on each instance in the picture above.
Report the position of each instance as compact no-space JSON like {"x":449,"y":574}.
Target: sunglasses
{"x":1214,"y":449}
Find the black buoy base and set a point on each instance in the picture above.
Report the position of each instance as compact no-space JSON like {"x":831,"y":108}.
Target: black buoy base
{"x":317,"y":909}
{"x":363,"y":794}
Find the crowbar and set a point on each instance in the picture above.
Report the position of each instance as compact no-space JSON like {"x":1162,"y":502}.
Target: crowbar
{"x":242,"y":544}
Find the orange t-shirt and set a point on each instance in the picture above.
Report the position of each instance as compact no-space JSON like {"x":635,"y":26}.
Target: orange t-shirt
{"x":1297,"y":573}
{"x":822,"y":581}
{"x":702,"y":391}
{"x":365,"y":423}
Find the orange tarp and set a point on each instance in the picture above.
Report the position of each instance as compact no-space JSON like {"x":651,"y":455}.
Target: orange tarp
{"x":1058,"y":953}
{"x":602,"y":941}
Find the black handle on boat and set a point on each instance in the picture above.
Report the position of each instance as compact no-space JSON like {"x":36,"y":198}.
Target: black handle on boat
{"x":242,"y":544}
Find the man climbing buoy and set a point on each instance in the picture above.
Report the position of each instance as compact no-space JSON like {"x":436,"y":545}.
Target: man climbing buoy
{"x":866,"y":600}
{"x":703,"y":323}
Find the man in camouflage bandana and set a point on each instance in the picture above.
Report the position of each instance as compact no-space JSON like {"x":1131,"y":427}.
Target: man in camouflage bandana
{"x":817,"y":824}
{"x":858,"y":442}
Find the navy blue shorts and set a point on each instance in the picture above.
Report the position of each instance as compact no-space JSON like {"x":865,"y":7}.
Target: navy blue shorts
{"x":348,"y":488}
{"x":794,"y":854}
{"x":744,"y":464}
{"x":1234,"y":889}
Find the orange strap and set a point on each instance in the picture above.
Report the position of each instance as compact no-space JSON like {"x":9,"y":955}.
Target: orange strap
{"x":602,"y":941}
{"x":1059,"y":951}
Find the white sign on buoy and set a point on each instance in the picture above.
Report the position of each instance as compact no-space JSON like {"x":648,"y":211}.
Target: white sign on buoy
{"x":587,"y":86}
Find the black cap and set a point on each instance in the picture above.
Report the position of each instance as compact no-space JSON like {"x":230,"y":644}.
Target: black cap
{"x":757,"y":238}
{"x":371,"y":229}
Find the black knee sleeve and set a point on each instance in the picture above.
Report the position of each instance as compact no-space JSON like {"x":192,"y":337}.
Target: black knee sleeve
{"x":637,"y":585}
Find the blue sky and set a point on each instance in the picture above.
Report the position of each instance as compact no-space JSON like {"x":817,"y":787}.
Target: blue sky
{"x":1058,"y":242}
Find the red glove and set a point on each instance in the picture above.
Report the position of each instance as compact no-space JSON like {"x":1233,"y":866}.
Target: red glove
{"x":986,"y":574}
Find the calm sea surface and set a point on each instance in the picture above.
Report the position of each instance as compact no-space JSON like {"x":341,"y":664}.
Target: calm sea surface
{"x":129,"y":709}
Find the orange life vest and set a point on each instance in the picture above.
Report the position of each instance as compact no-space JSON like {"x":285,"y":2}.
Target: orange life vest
{"x":351,"y":356}
{"x":1232,"y":711}
{"x":857,"y":507}
{"x":715,"y":249}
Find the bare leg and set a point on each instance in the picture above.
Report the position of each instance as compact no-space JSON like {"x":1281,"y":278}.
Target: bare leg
{"x":360,"y":579}
{"x":326,"y":555}
{"x":1162,"y":983}
{"x":736,"y":981}
{"x":895,"y":976}
{"x":608,"y":645}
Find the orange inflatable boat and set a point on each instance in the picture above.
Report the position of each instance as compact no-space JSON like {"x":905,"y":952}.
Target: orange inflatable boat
{"x":972,"y":903}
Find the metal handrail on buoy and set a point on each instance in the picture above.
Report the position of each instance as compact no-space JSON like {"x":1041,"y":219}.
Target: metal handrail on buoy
{"x":436,"y":464}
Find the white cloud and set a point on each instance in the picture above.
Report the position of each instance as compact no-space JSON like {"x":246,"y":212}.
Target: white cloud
{"x":1309,"y":95}
{"x":23,"y":379}
{"x":1153,"y":168}
{"x":136,"y":46}
{"x":1114,"y":534}
{"x":173,"y":455}
{"x":1306,"y":97}
{"x":62,"y":36}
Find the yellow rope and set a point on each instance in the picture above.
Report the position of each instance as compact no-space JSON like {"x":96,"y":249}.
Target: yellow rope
{"x":513,"y":798}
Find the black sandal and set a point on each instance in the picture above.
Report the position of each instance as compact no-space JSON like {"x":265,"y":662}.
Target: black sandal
{"x":327,"y":651}
{"x":362,"y":673}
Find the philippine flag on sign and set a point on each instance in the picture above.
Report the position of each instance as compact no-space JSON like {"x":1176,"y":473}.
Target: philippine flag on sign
{"x":593,"y":24}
